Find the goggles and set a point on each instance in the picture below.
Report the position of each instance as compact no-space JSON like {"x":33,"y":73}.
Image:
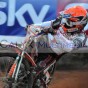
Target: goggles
{"x":72,"y":21}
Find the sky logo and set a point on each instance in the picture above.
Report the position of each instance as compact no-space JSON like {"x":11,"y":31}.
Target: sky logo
{"x":16,"y":14}
{"x":13,"y":14}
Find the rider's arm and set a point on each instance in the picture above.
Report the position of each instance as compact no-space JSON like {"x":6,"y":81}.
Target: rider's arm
{"x":46,"y":27}
{"x":53,"y":27}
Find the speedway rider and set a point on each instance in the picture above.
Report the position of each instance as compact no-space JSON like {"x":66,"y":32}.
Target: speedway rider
{"x":66,"y":31}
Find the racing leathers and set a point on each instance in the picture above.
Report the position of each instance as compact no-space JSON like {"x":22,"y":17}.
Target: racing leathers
{"x":59,"y":41}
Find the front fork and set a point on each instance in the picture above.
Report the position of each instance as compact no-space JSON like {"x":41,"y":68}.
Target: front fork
{"x":17,"y":63}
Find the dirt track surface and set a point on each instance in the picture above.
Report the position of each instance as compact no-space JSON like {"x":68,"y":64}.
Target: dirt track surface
{"x":70,"y":79}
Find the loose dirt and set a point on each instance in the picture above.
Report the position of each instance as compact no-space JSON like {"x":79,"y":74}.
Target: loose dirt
{"x":70,"y":79}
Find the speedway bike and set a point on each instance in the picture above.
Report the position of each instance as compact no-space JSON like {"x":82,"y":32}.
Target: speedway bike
{"x":27,"y":69}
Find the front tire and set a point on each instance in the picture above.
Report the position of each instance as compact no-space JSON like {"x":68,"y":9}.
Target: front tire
{"x":7,"y":82}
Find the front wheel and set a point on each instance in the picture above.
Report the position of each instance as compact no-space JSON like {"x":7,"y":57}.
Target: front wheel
{"x":6,"y":81}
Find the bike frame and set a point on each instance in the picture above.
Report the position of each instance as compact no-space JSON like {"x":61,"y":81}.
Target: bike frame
{"x":22,"y":54}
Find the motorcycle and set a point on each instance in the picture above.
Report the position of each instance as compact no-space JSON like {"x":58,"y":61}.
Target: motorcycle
{"x":27,"y":69}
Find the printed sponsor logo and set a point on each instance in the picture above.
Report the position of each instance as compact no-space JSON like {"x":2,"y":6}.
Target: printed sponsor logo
{"x":14,"y":14}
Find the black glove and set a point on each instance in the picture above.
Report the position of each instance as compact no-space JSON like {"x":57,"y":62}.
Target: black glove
{"x":56,"y":23}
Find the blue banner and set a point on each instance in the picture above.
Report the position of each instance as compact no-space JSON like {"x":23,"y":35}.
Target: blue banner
{"x":16,"y":14}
